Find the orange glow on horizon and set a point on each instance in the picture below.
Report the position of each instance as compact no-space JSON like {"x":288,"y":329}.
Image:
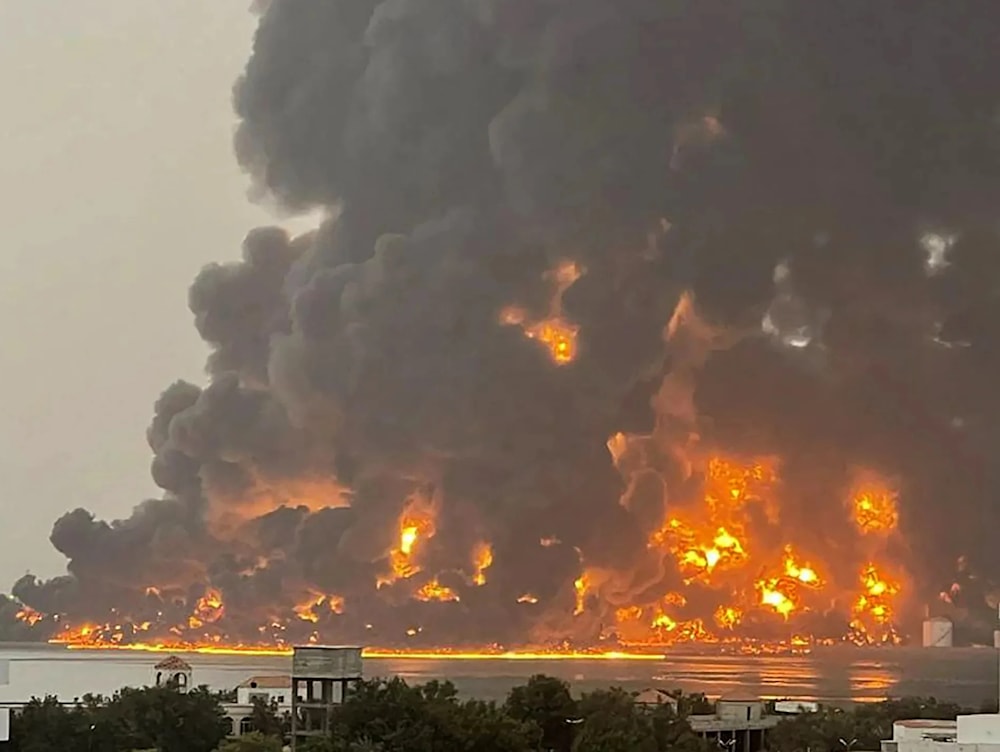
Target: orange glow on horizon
{"x":486,"y":654}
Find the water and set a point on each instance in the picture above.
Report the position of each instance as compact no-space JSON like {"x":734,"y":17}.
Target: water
{"x":836,"y":674}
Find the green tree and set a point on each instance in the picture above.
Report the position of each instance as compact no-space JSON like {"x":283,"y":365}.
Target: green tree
{"x":327,"y":745}
{"x":264,"y":717}
{"x":483,"y":727}
{"x":612,"y":723}
{"x":253,"y":742}
{"x":546,"y":702}
{"x":47,"y":726}
{"x":390,"y":715}
{"x":164,"y":718}
{"x":672,"y":730}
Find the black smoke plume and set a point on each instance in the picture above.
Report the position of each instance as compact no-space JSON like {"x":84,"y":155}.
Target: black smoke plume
{"x":822,"y":178}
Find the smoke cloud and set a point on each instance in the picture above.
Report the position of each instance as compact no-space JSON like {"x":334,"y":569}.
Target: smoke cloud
{"x":761,"y":229}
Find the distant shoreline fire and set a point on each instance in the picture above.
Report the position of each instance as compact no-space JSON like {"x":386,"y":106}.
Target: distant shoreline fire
{"x":736,"y":583}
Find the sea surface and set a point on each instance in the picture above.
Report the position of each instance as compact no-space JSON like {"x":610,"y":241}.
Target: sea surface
{"x":830,"y":674}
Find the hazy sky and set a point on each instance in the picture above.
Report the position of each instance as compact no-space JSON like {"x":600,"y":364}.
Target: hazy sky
{"x":117,"y":183}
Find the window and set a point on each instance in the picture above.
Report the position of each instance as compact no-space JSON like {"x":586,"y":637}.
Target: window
{"x":281,"y":699}
{"x":246,"y":726}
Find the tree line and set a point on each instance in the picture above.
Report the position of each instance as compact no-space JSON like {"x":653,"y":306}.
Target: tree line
{"x":388,"y":715}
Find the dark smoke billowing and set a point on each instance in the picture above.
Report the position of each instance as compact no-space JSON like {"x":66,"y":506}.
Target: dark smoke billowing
{"x":828,"y":169}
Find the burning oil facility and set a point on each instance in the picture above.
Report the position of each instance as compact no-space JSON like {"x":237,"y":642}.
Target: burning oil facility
{"x":632,"y":322}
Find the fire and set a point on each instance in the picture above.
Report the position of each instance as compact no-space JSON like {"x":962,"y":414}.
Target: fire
{"x":435,"y":591}
{"x":581,"y":586}
{"x":482,"y":560}
{"x":29,"y":616}
{"x":730,"y":568}
{"x":779,"y":601}
{"x":728,"y":617}
{"x":554,"y":331}
{"x":873,"y":610}
{"x":412,"y":530}
{"x":557,"y":334}
{"x":629,"y":613}
{"x":875,"y":510}
{"x":714,"y":543}
{"x":307,"y":611}
{"x":617,"y":445}
{"x":407,"y":538}
{"x":662,"y":621}
{"x":696,"y":555}
{"x":208,"y":610}
{"x":486,"y":654}
{"x":801,"y":572}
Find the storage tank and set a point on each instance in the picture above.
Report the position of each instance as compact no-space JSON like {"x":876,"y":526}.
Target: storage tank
{"x":939,"y":632}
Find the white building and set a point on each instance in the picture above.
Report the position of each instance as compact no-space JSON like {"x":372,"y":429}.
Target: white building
{"x":970,"y":733}
{"x":270,"y":689}
{"x":738,"y":725}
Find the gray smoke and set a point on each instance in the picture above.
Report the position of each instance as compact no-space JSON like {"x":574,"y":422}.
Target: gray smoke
{"x":786,"y":162}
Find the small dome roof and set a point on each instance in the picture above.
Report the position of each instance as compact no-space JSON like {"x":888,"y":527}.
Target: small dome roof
{"x":173,"y":663}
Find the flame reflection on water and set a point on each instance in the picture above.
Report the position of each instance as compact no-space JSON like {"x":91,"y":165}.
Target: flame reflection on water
{"x":836,"y":674}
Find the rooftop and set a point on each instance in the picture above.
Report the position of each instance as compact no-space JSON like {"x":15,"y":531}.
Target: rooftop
{"x":918,"y":723}
{"x":267,"y":682}
{"x":173,"y":663}
{"x":654,"y":696}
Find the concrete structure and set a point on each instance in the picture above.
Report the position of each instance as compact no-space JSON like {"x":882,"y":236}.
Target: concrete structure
{"x":269,"y":689}
{"x":173,"y":671}
{"x":737,"y":725}
{"x":320,"y":677}
{"x":651,"y":698}
{"x":4,"y":712}
{"x":275,"y":691}
{"x":970,"y":733}
{"x":982,"y":729}
{"x":795,"y":707}
{"x":939,"y":632}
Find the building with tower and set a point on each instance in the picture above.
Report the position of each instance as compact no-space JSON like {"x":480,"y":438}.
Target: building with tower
{"x":173,"y":672}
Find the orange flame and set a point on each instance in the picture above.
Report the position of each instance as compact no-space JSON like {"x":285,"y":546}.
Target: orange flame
{"x":412,"y":530}
{"x":306,"y":611}
{"x":29,"y":616}
{"x":208,"y":610}
{"x":483,"y":560}
{"x":581,"y":586}
{"x":875,"y":511}
{"x":555,"y":332}
{"x":435,"y":591}
{"x":873,"y":610}
{"x":727,"y":553}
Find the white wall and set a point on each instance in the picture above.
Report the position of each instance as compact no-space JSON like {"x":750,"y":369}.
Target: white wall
{"x":982,"y":728}
{"x":901,"y":732}
{"x":283,"y":696}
